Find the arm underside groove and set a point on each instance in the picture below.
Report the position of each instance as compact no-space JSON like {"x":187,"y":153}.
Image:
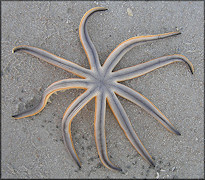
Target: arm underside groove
{"x":99,"y":127}
{"x":126,"y":126}
{"x":144,"y":68}
{"x":86,"y":42}
{"x":116,"y":55}
{"x":54,"y":60}
{"x":69,"y":114}
{"x":145,"y":104}
{"x":56,"y":86}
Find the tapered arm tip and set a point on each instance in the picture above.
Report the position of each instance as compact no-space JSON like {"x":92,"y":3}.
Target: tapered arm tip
{"x":13,"y":50}
{"x":192,"y":69}
{"x":119,"y":169}
{"x":16,"y":116}
{"x":173,"y":130}
{"x":102,"y":8}
{"x":178,"y":32}
{"x":178,"y":133}
{"x":17,"y":48}
{"x":152,"y":163}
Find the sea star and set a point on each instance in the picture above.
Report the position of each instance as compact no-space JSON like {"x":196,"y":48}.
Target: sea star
{"x":103,"y":84}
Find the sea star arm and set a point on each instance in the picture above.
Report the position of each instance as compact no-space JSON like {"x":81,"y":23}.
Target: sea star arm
{"x":126,"y":126}
{"x":54,"y":60}
{"x":68,"y":116}
{"x":141,"y":69}
{"x":147,"y":105}
{"x":127,"y":45}
{"x":99,"y":124}
{"x":86,"y":42}
{"x":56,"y":86}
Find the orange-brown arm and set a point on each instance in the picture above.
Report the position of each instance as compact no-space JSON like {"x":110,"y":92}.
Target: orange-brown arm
{"x":126,"y":126}
{"x":86,"y":42}
{"x":99,"y":126}
{"x":68,"y":116}
{"x":54,"y":60}
{"x":56,"y":86}
{"x":146,"y":104}
{"x":141,"y":69}
{"x":116,"y":55}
